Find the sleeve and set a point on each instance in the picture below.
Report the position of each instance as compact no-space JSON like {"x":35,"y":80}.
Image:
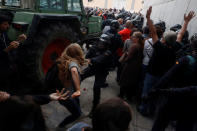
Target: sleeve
{"x":120,"y":42}
{"x":178,"y":46}
{"x":121,"y":32}
{"x":41,"y":99}
{"x":184,"y":92}
{"x":103,"y":58}
{"x":91,"y":52}
{"x":73,"y":64}
{"x":8,"y":41}
{"x":3,"y":53}
{"x":171,"y":75}
{"x":132,"y":50}
{"x":157,"y":44}
{"x":125,"y":48}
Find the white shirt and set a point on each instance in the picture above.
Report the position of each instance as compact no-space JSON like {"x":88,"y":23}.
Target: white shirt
{"x":148,"y":51}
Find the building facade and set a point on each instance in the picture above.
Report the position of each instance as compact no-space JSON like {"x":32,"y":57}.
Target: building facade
{"x":130,"y":5}
{"x":172,"y":12}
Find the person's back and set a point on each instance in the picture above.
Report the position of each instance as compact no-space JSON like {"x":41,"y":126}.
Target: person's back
{"x":112,"y":115}
{"x":21,"y":114}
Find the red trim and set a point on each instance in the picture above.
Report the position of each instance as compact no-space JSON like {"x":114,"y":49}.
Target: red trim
{"x":56,"y":47}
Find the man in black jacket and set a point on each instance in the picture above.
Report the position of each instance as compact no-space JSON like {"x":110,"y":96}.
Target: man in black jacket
{"x":180,"y":99}
{"x":100,"y":59}
{"x":25,"y":111}
{"x":7,"y":52}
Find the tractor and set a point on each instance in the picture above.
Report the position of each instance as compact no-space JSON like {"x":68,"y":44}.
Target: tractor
{"x":50,"y":26}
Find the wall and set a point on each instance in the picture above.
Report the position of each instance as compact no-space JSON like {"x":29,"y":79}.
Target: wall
{"x":115,"y":3}
{"x":172,"y":12}
{"x":94,"y":3}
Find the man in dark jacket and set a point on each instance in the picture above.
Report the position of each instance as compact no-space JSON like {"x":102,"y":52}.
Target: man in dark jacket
{"x":180,"y":106}
{"x":164,"y":54}
{"x":100,"y":59}
{"x":7,"y":52}
{"x":25,"y":111}
{"x":180,"y":99}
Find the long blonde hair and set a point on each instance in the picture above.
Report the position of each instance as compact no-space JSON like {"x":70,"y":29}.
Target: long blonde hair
{"x":73,"y":53}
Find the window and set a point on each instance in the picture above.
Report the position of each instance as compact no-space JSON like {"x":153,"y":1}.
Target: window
{"x":52,"y":4}
{"x":74,"y":5}
{"x":12,"y":3}
{"x":24,"y":4}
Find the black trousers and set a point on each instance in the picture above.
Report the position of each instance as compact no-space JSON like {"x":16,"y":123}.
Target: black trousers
{"x":100,"y":79}
{"x":73,"y":106}
{"x":179,"y":109}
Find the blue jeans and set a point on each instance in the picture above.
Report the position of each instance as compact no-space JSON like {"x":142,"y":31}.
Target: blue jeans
{"x":149,"y":82}
{"x":73,"y":106}
{"x":146,"y":108}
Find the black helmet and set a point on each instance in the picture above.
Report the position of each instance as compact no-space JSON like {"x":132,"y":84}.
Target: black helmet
{"x":161,"y":24}
{"x":105,"y":38}
{"x":114,"y":24}
{"x":176,"y":27}
{"x":128,"y":18}
{"x":193,"y":41}
{"x":135,"y":23}
{"x":194,"y":37}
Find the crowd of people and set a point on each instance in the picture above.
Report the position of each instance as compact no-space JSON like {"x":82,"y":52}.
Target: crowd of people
{"x":156,"y":69}
{"x":114,"y":14}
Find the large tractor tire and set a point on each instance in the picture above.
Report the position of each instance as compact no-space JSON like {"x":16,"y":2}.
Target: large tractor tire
{"x":39,"y":54}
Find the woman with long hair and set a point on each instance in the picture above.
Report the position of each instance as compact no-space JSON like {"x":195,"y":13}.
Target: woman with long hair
{"x":130,"y":75}
{"x":69,"y":65}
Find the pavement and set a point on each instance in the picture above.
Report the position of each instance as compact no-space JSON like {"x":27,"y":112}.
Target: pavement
{"x":54,"y":113}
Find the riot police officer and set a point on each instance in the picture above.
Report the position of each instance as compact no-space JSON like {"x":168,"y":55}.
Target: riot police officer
{"x":100,"y":59}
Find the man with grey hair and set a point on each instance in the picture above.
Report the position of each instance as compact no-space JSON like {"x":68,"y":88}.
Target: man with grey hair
{"x":163,"y":57}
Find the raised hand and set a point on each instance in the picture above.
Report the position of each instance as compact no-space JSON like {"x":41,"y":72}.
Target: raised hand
{"x":148,"y":13}
{"x":188,"y":17}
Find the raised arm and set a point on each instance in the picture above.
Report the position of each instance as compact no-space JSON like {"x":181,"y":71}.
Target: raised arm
{"x":187,"y":19}
{"x":151,"y":26}
{"x":76,"y":80}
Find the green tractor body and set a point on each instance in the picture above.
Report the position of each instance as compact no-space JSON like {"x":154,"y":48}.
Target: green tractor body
{"x":25,"y":10}
{"x":50,"y":26}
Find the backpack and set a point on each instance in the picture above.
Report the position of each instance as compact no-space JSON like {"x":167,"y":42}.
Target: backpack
{"x":52,"y":81}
